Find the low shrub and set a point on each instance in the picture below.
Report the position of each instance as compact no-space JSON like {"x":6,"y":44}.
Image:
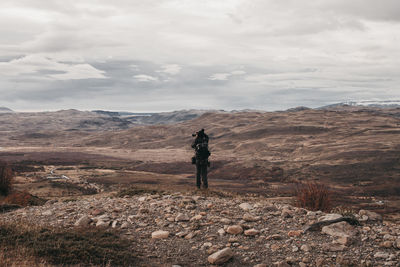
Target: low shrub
{"x":57,"y":246}
{"x":6,"y":176}
{"x":23,"y":199}
{"x":313,"y":196}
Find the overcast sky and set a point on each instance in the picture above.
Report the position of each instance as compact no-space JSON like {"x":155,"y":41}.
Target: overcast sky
{"x":162,"y":55}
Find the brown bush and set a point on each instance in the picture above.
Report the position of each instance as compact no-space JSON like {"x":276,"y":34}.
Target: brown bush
{"x":23,"y":199}
{"x":6,"y":176}
{"x":313,"y":196}
{"x":65,"y":247}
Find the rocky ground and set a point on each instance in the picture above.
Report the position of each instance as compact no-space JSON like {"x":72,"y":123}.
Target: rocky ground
{"x":178,"y":229}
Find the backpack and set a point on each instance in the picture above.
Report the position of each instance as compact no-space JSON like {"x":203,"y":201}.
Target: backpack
{"x":202,"y":151}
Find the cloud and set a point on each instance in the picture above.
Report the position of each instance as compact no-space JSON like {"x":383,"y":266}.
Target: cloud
{"x":225,"y":76}
{"x":33,"y":64}
{"x":145,"y":78}
{"x":171,"y":69}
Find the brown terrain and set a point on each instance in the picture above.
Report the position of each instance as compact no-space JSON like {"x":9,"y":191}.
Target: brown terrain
{"x":85,"y":164}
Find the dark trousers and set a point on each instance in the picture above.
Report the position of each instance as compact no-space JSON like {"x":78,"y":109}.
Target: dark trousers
{"x":201,"y":172}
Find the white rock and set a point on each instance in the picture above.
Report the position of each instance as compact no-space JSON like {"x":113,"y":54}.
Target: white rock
{"x":251,"y":232}
{"x":330,"y":216}
{"x":47,"y":213}
{"x":181,"y":217}
{"x":221,"y":232}
{"x":83,"y":221}
{"x":220,"y":256}
{"x":381,"y":255}
{"x":372,"y":216}
{"x":340,"y":229}
{"x":246,"y":206}
{"x":160,"y":234}
{"x":102,"y":224}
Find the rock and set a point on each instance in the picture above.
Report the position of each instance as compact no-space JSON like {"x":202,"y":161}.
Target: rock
{"x":83,"y":221}
{"x":295,"y":248}
{"x":246,"y":206}
{"x":381,"y":255}
{"x":196,"y":218}
{"x":220,"y":256}
{"x":97,"y":212}
{"x":286,"y":213}
{"x":160,"y":234}
{"x":281,"y":264}
{"x":319,"y":262}
{"x":102,"y":224}
{"x":372,"y":216}
{"x":251,"y":232}
{"x":305,"y":248}
{"x":190,"y":235}
{"x":124,"y":225}
{"x":225,"y":221}
{"x":397,"y":243}
{"x":345,"y":240}
{"x":260,"y":265}
{"x":47,"y":213}
{"x":340,"y":229}
{"x":295,"y":233}
{"x":114,"y":224}
{"x":181,"y":217}
{"x":250,"y":218}
{"x":330,"y":216}
{"x":386,"y":244}
{"x":221,"y":232}
{"x":333,"y":247}
{"x":275,"y":247}
{"x":234,"y":229}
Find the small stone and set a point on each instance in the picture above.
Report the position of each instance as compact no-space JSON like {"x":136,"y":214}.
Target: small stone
{"x":207,"y":245}
{"x":190,"y":235}
{"x":83,"y":221}
{"x":295,"y":248}
{"x":319,"y":262}
{"x":330,"y":216}
{"x":372,"y":216}
{"x":124,"y":225}
{"x":260,"y":265}
{"x":302,"y":264}
{"x":251,"y":232}
{"x":234,"y":229}
{"x":160,"y":234}
{"x":397,"y":243}
{"x":275,"y":247}
{"x":97,"y":212}
{"x":221,"y":232}
{"x":182,"y":217}
{"x":246,"y":206}
{"x":340,"y":229}
{"x":250,"y":218}
{"x":114,"y":224}
{"x":47,"y":213}
{"x":220,"y":256}
{"x":196,"y":218}
{"x":295,"y":233}
{"x":102,"y":224}
{"x":381,"y":255}
{"x":225,"y":221}
{"x":386,"y":244}
{"x":281,"y":264}
{"x":305,"y":248}
{"x":344,"y":240}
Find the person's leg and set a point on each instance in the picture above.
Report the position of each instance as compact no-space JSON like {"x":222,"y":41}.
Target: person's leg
{"x":204,"y":175}
{"x":198,"y":174}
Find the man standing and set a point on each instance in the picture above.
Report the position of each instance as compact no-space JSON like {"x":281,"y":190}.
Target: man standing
{"x":200,"y":145}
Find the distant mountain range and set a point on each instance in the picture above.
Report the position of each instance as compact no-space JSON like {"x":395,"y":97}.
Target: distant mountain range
{"x":365,"y":103}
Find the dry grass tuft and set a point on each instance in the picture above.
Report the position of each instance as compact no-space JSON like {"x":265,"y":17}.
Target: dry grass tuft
{"x":56,"y":246}
{"x":6,"y":176}
{"x":313,"y":196}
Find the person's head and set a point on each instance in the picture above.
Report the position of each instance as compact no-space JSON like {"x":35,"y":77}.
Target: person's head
{"x":201,"y":132}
